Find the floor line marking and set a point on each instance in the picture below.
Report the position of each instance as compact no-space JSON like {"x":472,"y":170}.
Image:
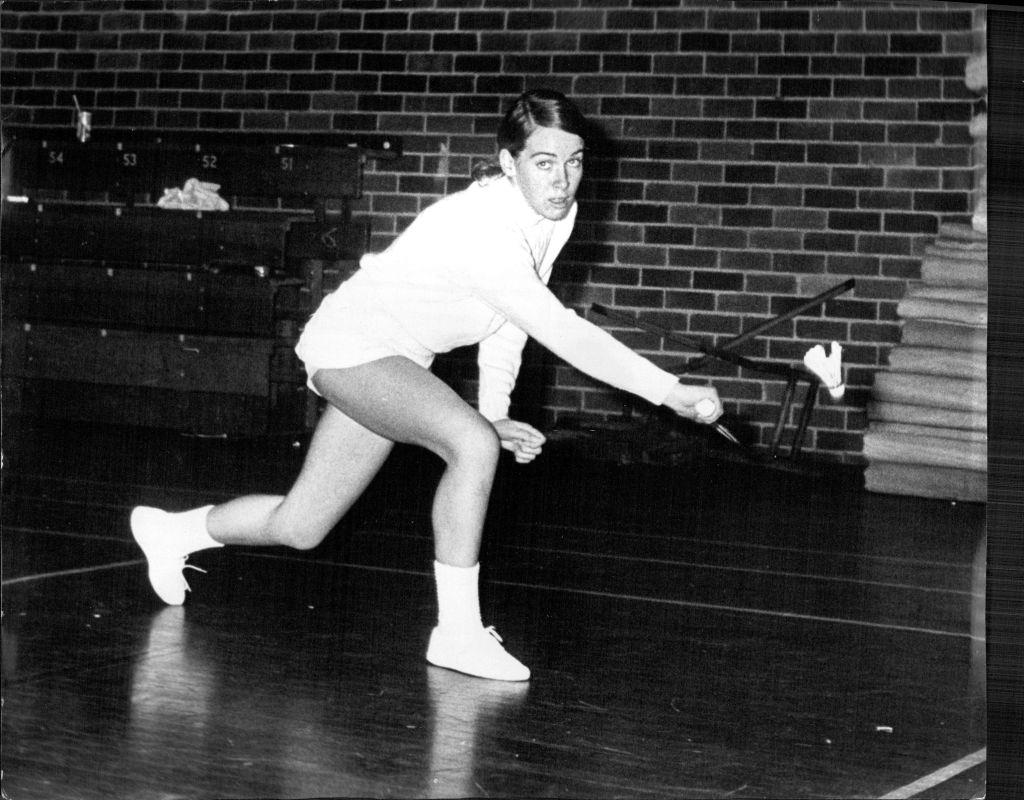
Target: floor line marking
{"x":778,"y":572}
{"x":727,"y":543}
{"x":748,"y":545}
{"x":63,"y":572}
{"x":367,"y":567}
{"x":641,"y":598}
{"x":609,"y":556}
{"x":738,"y":609}
{"x":939,"y":776}
{"x":71,"y":534}
{"x":595,"y":529}
{"x":702,"y":565}
{"x":520,"y":584}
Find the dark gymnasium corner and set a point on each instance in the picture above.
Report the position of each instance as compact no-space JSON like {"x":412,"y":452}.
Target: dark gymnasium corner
{"x":799,"y":614}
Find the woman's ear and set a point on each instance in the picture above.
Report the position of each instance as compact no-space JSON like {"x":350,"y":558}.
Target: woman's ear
{"x":508,"y":163}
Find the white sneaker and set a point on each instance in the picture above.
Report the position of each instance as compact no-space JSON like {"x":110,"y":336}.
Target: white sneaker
{"x":479,"y":653}
{"x":164,"y":551}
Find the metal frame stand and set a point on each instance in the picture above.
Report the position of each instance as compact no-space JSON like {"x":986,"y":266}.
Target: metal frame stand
{"x":724,"y":352}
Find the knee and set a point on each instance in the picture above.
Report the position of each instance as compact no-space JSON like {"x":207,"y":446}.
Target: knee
{"x":297,"y":535}
{"x":306,"y":539}
{"x":474,"y":445}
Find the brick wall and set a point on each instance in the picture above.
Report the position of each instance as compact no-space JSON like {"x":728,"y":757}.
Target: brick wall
{"x":757,"y":152}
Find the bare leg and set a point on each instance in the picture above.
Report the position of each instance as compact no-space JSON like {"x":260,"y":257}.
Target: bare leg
{"x":343,"y":458}
{"x":372,"y":406}
{"x":403,"y":402}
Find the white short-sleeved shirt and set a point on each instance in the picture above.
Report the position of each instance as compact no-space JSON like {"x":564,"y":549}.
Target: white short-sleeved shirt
{"x":472,"y":268}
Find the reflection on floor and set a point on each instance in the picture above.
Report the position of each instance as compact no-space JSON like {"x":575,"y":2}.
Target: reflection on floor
{"x":708,"y":630}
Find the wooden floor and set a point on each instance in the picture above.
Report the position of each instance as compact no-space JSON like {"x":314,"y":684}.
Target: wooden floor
{"x":711,"y":629}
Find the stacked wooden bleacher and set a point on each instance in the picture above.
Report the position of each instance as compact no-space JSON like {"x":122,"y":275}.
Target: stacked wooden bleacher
{"x":927,"y":432}
{"x":118,"y":311}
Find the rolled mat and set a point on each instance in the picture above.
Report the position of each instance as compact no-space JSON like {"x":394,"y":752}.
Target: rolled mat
{"x":952,"y":294}
{"x":908,"y":429}
{"x":933,"y":451}
{"x":927,"y":333}
{"x":943,"y":311}
{"x":939,"y":361}
{"x":923,"y":481}
{"x":930,"y":390}
{"x":927,"y":416}
{"x":939,"y":270}
{"x":961,"y":232}
{"x":958,"y":248}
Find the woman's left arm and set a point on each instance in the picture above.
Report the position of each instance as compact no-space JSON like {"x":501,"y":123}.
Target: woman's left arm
{"x":498,"y":359}
{"x":500,"y":355}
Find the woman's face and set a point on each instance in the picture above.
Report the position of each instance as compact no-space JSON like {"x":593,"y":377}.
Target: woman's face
{"x":547,"y":171}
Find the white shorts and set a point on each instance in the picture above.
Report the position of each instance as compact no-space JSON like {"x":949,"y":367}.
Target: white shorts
{"x":346,"y":331}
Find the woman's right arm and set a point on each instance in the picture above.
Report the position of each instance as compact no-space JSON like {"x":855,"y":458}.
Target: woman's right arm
{"x":516,"y":292}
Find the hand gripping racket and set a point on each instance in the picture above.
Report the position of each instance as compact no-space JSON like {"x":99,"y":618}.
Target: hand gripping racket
{"x":706,"y":408}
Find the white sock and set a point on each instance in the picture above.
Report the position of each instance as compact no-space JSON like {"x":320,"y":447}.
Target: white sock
{"x":191,"y":526}
{"x":458,"y":597}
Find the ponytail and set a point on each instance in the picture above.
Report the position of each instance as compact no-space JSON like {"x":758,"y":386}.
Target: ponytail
{"x":486,"y":171}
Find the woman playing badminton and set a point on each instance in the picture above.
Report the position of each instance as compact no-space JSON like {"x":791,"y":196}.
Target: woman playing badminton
{"x":472,"y":268}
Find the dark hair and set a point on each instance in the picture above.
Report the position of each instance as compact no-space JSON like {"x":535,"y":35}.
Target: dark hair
{"x":540,"y":108}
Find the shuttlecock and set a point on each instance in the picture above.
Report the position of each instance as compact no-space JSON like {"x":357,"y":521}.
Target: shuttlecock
{"x":829,"y":368}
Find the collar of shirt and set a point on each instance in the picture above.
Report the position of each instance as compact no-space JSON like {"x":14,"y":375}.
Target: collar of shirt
{"x":520,"y":211}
